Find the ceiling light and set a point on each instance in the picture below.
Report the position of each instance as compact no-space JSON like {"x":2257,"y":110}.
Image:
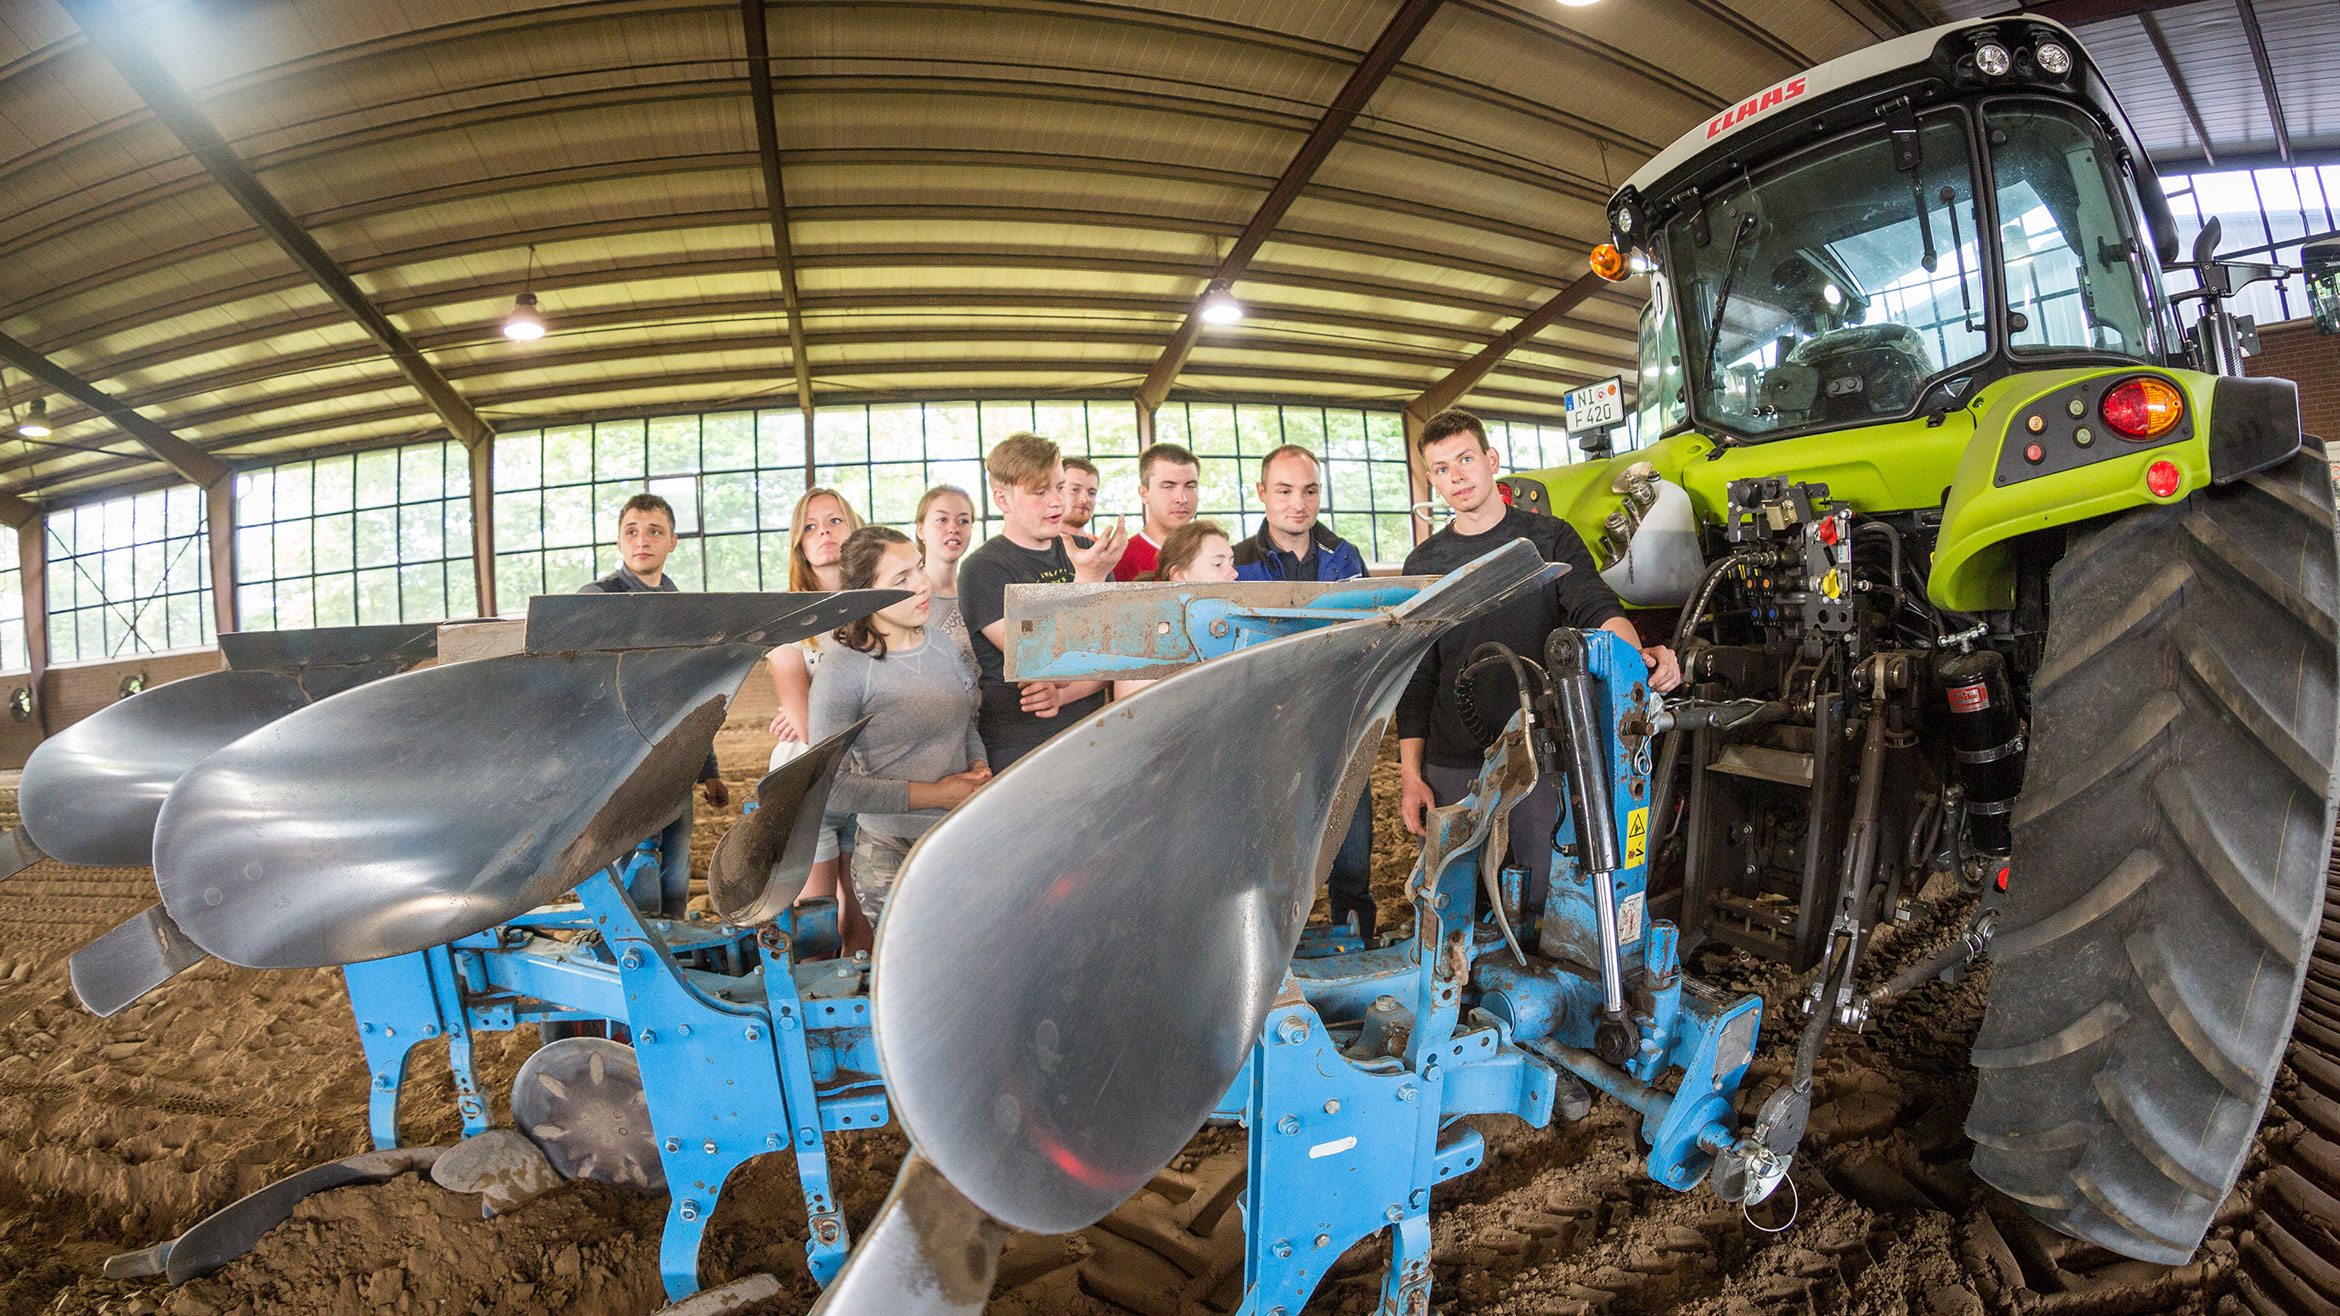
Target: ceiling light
{"x":524,"y":325}
{"x":1576,"y":4}
{"x":1219,"y":305}
{"x":36,"y":420}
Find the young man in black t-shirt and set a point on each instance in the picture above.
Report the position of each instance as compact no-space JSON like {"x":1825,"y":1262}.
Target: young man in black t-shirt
{"x":645,"y":539}
{"x":1032,"y":547}
{"x":1438,"y":758}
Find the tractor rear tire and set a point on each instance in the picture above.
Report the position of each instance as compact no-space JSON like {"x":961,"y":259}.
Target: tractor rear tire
{"x":2168,"y":873}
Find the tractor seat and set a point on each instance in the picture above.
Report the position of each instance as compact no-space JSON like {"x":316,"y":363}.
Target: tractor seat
{"x":1865,"y":371}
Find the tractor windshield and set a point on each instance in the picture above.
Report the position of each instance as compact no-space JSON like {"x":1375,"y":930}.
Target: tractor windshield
{"x":2076,"y":272}
{"x":1828,"y":288}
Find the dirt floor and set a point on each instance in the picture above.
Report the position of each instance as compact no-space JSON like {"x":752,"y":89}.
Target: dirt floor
{"x":115,"y":1134}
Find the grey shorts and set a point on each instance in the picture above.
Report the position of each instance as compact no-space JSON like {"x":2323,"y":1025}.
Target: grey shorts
{"x":877,"y":860}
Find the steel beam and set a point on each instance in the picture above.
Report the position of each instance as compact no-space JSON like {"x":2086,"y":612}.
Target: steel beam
{"x":2073,"y":13}
{"x":1374,"y":390}
{"x":759,"y":54}
{"x":32,"y":558}
{"x":1886,"y":18}
{"x":1412,"y":16}
{"x":113,"y":36}
{"x":1265,"y":348}
{"x":516,"y":240}
{"x":1463,"y":378}
{"x":728,"y":311}
{"x":2177,"y":81}
{"x":2258,"y":40}
{"x":175,"y":452}
{"x":219,"y":514}
{"x":483,"y":527}
{"x":1423,"y":294}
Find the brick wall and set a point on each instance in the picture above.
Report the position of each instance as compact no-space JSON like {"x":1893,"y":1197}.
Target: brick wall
{"x":73,"y":691}
{"x":2295,"y":351}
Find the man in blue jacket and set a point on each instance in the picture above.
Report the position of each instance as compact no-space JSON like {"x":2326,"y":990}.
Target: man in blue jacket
{"x":1292,"y":544}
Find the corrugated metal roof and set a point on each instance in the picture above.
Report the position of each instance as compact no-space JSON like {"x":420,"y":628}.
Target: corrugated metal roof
{"x":1026,"y":194}
{"x":2209,"y":60}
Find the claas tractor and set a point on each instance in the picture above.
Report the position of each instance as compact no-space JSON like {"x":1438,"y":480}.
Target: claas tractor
{"x":2002,"y":576}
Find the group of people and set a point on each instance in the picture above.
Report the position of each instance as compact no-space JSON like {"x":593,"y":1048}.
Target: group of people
{"x":928,"y":672}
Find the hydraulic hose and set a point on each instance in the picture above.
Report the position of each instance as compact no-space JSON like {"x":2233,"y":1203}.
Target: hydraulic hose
{"x":1670,"y":757}
{"x":1661,"y":795}
{"x":1699,"y":598}
{"x":1466,"y":688}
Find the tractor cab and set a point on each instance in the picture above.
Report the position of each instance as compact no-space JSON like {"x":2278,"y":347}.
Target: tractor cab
{"x":1878,"y":238}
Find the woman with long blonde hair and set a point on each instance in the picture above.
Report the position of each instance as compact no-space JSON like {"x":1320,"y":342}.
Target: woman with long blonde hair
{"x":823,"y":522}
{"x":945,"y":530}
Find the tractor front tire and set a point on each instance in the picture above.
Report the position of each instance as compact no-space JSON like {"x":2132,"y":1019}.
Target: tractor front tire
{"x":2168,"y":873}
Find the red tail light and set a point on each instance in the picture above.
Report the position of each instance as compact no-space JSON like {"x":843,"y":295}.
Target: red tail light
{"x":2143,"y":408}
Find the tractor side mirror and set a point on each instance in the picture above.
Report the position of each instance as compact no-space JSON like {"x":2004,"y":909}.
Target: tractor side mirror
{"x":2206,"y":242}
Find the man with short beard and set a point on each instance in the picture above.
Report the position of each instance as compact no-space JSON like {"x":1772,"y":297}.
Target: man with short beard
{"x":1080,"y":493}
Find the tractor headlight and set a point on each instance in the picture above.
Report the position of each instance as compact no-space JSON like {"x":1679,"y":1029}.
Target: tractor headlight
{"x":1993,"y":59}
{"x":2054,"y":60}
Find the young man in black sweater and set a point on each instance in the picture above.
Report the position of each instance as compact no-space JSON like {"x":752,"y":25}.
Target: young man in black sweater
{"x":1438,"y":758}
{"x":645,"y":539}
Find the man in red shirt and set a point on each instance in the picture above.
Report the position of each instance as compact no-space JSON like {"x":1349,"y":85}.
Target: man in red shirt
{"x":1169,"y":488}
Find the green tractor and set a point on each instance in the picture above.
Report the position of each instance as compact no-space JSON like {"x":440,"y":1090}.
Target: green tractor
{"x":2015,"y":583}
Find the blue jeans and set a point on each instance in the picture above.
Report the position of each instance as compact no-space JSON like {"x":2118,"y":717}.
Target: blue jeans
{"x":1351,"y":880}
{"x":673,"y":896}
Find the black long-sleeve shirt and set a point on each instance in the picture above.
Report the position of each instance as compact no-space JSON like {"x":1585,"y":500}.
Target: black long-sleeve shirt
{"x":1580,"y":598}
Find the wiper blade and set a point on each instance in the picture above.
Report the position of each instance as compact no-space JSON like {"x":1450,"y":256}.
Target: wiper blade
{"x":1722,"y":297}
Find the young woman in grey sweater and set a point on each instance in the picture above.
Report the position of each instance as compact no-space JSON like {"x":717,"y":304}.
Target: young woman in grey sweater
{"x":920,"y":754}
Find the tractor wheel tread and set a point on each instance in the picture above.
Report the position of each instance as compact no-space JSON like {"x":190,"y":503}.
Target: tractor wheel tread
{"x":2179,"y":1000}
{"x":2127,"y":878}
{"x":2170,"y":862}
{"x":2150,"y":1133}
{"x":2210,"y":538}
{"x":2211,"y":673}
{"x":2208,"y":846}
{"x":2085,"y":1031}
{"x":2103,"y":1195}
{"x":2144,"y":609}
{"x":2138,"y":735}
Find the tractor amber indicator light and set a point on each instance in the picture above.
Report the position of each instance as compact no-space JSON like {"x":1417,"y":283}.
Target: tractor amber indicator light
{"x":2163,"y":479}
{"x":1608,"y":262}
{"x":2143,"y":408}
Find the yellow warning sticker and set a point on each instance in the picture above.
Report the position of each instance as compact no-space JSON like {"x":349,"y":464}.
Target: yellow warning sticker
{"x":1636,"y":837}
